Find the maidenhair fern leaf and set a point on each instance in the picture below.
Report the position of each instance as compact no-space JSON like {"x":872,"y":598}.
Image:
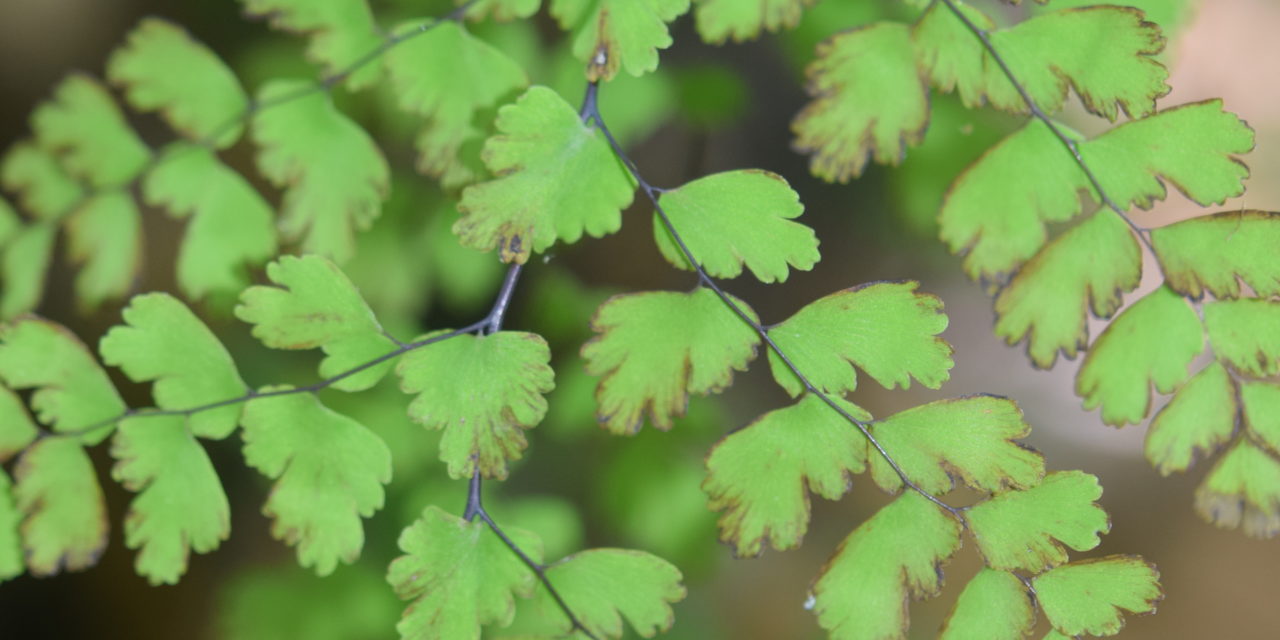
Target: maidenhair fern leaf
{"x":1199,"y":419}
{"x":341,"y":31}
{"x":737,"y":218}
{"x":64,"y":522}
{"x":162,"y":341}
{"x":16,"y":427}
{"x":1047,"y":302}
{"x":104,"y":236}
{"x":329,"y":472}
{"x":501,"y":10}
{"x":231,"y":227}
{"x":1245,"y":334}
{"x":997,"y":208}
{"x":556,"y":178}
{"x":613,"y":34}
{"x":446,"y":75}
{"x":23,"y":265}
{"x":334,"y":176}
{"x":1026,"y":530}
{"x":1048,"y":54}
{"x":888,"y":560}
{"x":1088,"y":596}
{"x":1243,"y":490}
{"x":603,"y":586}
{"x":11,"y":561}
{"x":315,"y":305}
{"x":758,"y":476}
{"x":85,"y":127}
{"x":739,"y":20}
{"x":180,"y":506}
{"x":1214,"y":253}
{"x":1262,"y":413}
{"x":163,"y":68}
{"x":44,"y":189}
{"x":1191,"y":146}
{"x":656,"y":348}
{"x":71,"y":391}
{"x":482,"y":391}
{"x":1152,"y":342}
{"x":869,"y":101}
{"x":995,"y":605}
{"x":887,"y":329}
{"x":970,"y":439}
{"x":459,"y":575}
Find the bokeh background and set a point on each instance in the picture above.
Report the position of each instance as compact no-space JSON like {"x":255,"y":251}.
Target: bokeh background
{"x":708,"y":109}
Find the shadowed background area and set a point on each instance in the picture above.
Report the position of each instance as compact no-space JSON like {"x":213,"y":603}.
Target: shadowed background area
{"x":709,"y":109}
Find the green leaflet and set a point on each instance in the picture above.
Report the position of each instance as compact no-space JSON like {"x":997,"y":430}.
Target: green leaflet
{"x":230,"y":228}
{"x":1087,"y":268}
{"x":1030,"y":179}
{"x":609,"y":34}
{"x":890,"y":558}
{"x":501,"y":10}
{"x":24,"y":262}
{"x":459,"y":575}
{"x":1199,"y":419}
{"x":1245,"y":334}
{"x":1152,"y":342}
{"x":1026,"y":530}
{"x":868,"y":101}
{"x":64,"y":517}
{"x":1243,"y":491}
{"x":315,"y":305}
{"x":180,"y":504}
{"x":1087,"y":596}
{"x":1215,"y":252}
{"x":969,"y":438}
{"x":1262,"y":413}
{"x":104,"y":236}
{"x":85,"y":127}
{"x":757,"y":476}
{"x":162,"y":341}
{"x":341,"y":32}
{"x":739,"y":20}
{"x":1047,"y":54}
{"x":44,"y":189}
{"x":333,"y":173}
{"x":11,"y":561}
{"x":556,"y":178}
{"x":656,"y":348}
{"x":603,"y":586}
{"x":16,"y":428}
{"x":885,"y":328}
{"x":1191,"y":146}
{"x":446,"y":75}
{"x":71,"y":391}
{"x":482,"y":391}
{"x":995,"y":605}
{"x":737,"y":218}
{"x":163,"y":68}
{"x":329,"y":472}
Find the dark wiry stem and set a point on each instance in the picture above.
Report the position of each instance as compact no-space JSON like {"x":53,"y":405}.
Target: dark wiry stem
{"x":475,"y":509}
{"x":653,"y":193}
{"x":1036,"y":112}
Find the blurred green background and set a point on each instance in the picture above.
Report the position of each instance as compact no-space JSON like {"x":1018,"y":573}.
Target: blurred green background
{"x":708,"y":109}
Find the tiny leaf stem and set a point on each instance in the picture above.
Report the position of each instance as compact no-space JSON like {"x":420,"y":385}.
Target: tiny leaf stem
{"x":984,"y":37}
{"x":475,"y":509}
{"x":706,"y":280}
